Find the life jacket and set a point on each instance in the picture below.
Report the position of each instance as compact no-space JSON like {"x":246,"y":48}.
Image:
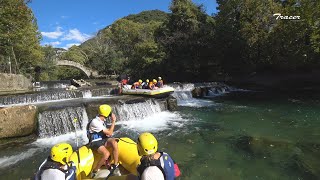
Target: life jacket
{"x":151,"y":85}
{"x":95,"y":136}
{"x":124,"y":81}
{"x":159,"y":83}
{"x":136,"y":85}
{"x":144,"y":85}
{"x":50,"y":164}
{"x":165,"y":163}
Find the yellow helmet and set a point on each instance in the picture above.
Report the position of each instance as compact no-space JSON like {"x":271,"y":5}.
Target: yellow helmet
{"x":154,"y":81}
{"x":140,"y":81}
{"x":147,"y":144}
{"x":105,"y":110}
{"x":61,"y":152}
{"x":147,"y":80}
{"x":159,"y":78}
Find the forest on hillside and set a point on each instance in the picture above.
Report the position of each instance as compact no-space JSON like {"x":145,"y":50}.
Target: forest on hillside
{"x":187,"y":45}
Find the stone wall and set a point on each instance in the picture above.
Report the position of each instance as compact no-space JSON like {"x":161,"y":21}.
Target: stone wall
{"x":14,"y":82}
{"x":17,"y":121}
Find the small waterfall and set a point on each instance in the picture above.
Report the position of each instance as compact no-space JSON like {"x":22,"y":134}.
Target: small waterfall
{"x":147,"y":116}
{"x":183,"y":92}
{"x":38,"y":97}
{"x":184,"y":96}
{"x":102,"y":92}
{"x":62,"y":84}
{"x":61,"y":121}
{"x":87,"y":94}
{"x":217,"y":91}
{"x":139,"y":110}
{"x":47,"y":96}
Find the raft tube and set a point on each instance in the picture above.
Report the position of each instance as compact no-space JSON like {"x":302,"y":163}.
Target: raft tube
{"x":128,"y":159}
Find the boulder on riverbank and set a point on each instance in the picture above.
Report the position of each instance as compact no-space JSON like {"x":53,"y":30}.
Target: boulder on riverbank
{"x":17,"y":121}
{"x":14,"y":82}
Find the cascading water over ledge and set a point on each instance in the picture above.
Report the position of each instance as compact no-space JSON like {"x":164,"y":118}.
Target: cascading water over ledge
{"x":61,"y":121}
{"x":48,"y":96}
{"x":55,"y":121}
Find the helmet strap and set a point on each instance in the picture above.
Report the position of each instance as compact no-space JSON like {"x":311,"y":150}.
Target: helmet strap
{"x":65,"y":161}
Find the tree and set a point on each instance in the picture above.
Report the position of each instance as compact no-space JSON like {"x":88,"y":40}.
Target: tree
{"x":19,"y":36}
{"x":75,"y":54}
{"x":186,"y":38}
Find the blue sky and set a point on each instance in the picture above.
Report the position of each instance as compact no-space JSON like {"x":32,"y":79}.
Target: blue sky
{"x":64,"y":23}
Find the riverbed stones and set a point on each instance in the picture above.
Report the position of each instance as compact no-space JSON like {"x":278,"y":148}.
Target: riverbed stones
{"x":17,"y":121}
{"x":295,"y":158}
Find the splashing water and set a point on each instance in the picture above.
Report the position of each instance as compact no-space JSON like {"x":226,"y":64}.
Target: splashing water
{"x":155,"y":122}
{"x":10,"y":160}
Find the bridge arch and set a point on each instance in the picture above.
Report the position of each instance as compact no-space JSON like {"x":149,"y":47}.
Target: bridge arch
{"x":88,"y":71}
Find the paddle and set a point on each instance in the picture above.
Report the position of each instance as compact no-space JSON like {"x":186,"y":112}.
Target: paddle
{"x":77,"y":147}
{"x":75,"y":130}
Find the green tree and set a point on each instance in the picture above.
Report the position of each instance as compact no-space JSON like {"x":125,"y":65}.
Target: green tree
{"x":75,"y":54}
{"x":146,"y":16}
{"x":187,"y":40}
{"x":102,"y":55}
{"x":147,"y":55}
{"x":19,"y":36}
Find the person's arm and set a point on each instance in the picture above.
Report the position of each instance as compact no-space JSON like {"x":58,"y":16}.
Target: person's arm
{"x":109,"y":131}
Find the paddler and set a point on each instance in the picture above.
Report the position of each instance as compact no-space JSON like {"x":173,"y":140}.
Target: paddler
{"x":100,"y":137}
{"x":57,"y":165}
{"x":154,"y":165}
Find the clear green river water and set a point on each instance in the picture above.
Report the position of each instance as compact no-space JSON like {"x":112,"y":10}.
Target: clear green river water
{"x":240,"y":135}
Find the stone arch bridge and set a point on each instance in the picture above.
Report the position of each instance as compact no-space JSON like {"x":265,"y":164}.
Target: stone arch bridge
{"x":88,"y":71}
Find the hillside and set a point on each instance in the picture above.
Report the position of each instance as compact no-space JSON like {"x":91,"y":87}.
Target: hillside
{"x":143,"y":18}
{"x":147,"y":16}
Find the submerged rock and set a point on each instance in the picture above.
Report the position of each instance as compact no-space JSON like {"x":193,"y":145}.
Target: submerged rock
{"x":301,"y":159}
{"x":308,"y":160}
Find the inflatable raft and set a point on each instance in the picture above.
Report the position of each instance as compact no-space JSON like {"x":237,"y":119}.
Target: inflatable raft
{"x":128,"y":159}
{"x":158,"y":93}
{"x":85,"y":160}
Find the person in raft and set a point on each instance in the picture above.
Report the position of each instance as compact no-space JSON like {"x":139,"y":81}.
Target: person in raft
{"x":152,"y":85}
{"x":160,"y":82}
{"x":100,"y":137}
{"x":123,"y":80}
{"x":154,"y":165}
{"x":137,"y":85}
{"x":145,"y":84}
{"x":57,"y":165}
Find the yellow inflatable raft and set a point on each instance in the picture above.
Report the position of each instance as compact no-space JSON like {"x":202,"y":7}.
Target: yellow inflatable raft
{"x":160,"y":92}
{"x":85,"y":159}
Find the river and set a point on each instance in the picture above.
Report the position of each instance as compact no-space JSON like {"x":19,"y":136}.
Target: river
{"x":235,"y":134}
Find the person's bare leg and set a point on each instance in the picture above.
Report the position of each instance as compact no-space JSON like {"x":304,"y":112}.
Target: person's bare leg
{"x":105,"y":155}
{"x":111,"y":142}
